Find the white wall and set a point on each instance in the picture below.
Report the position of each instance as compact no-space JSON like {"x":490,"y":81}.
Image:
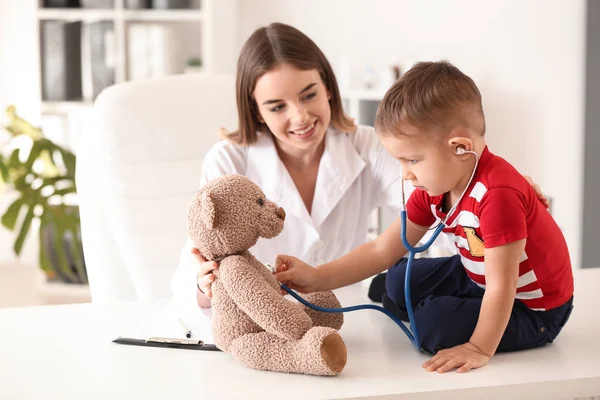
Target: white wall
{"x":19,"y":70}
{"x":527,"y":56}
{"x":19,"y":85}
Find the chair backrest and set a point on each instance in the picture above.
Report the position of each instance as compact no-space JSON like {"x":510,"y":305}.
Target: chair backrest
{"x":139,"y":164}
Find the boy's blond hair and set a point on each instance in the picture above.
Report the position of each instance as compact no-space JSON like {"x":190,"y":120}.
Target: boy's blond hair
{"x":431,"y":96}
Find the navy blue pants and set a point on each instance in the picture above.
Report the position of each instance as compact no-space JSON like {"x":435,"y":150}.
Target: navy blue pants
{"x":446,"y":307}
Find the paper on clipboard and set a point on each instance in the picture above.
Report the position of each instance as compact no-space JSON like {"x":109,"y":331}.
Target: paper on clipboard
{"x":166,"y":323}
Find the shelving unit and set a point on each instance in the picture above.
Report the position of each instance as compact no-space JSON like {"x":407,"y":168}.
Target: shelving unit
{"x":208,"y":30}
{"x":74,"y":14}
{"x":362,"y":104}
{"x":87,"y":15}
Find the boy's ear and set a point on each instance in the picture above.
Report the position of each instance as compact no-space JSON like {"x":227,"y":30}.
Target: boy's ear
{"x":460,"y":141}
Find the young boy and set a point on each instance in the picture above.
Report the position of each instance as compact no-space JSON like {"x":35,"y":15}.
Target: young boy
{"x":511,"y":285}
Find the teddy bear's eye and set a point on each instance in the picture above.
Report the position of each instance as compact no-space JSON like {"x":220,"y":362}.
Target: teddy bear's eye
{"x":261,"y":202}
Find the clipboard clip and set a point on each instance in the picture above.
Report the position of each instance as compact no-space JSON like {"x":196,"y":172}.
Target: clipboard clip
{"x":157,"y":339}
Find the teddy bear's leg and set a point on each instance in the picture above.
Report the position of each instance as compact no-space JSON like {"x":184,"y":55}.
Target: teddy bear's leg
{"x":320,"y":352}
{"x":319,"y":318}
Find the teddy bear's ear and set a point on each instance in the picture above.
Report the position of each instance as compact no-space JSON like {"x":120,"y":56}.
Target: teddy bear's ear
{"x":208,"y":214}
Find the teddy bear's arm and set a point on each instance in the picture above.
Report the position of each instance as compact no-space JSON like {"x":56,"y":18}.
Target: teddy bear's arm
{"x":260,"y":301}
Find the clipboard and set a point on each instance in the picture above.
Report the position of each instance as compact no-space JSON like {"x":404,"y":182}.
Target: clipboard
{"x":168,"y":327}
{"x":186,"y":344}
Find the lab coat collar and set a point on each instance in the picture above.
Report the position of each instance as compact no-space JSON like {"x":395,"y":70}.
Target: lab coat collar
{"x":338,"y":169}
{"x":340,"y":166}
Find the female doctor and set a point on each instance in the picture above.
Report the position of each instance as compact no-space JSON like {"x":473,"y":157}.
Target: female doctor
{"x":296,"y":143}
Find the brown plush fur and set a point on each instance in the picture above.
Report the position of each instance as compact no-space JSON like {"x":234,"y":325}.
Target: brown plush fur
{"x":251,"y":319}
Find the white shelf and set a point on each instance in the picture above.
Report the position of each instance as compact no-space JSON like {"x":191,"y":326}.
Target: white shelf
{"x":366,"y":95}
{"x":69,"y":14}
{"x":163,"y":15}
{"x":360,"y":104}
{"x":208,"y":30}
{"x":56,"y":107}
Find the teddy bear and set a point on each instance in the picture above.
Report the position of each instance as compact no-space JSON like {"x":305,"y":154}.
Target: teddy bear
{"x":251,"y":318}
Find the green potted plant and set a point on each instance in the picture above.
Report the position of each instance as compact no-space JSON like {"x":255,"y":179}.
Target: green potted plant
{"x":193,"y":65}
{"x":40,"y":175}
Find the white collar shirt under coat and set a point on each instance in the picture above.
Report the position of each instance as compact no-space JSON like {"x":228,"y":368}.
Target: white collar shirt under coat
{"x":355,"y":176}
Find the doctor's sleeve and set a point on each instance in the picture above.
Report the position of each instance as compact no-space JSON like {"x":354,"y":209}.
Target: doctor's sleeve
{"x":223,"y":159}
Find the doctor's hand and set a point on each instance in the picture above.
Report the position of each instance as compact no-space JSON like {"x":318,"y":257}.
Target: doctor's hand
{"x":296,"y":274}
{"x":538,"y":191}
{"x":204,"y":278}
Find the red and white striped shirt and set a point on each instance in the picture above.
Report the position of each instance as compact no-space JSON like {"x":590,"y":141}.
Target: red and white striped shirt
{"x":501,"y":207}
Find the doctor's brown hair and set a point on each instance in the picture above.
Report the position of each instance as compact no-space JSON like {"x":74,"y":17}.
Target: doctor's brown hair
{"x":267,"y":48}
{"x":430,"y":95}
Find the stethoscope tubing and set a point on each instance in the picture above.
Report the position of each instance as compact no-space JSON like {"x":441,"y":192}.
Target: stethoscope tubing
{"x":413,"y":333}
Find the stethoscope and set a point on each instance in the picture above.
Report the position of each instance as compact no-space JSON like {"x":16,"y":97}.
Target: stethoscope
{"x":412,"y":333}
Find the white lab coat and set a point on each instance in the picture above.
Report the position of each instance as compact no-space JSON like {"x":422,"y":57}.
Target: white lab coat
{"x":356,"y":175}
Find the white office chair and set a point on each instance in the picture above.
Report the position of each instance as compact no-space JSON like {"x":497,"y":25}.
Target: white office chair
{"x":138,"y":166}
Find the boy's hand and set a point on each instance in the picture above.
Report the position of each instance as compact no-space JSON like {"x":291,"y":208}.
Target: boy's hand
{"x":296,"y":274}
{"x":464,"y":357}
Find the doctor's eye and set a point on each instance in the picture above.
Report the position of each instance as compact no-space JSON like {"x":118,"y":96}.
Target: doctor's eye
{"x":310,"y":96}
{"x":260,"y":202}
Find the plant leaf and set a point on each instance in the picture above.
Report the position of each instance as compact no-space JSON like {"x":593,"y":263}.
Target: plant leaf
{"x":64,"y":191}
{"x":25,"y":226}
{"x":36,"y":149}
{"x":67,"y":157}
{"x":54,"y":180}
{"x":12,"y":131}
{"x":45,"y":263}
{"x":9,"y":219}
{"x":3,"y":171}
{"x":13,"y":160}
{"x":69,"y":160}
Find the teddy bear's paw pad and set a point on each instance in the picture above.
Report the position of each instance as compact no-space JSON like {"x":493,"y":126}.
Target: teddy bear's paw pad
{"x":324,"y":351}
{"x":333,"y":351}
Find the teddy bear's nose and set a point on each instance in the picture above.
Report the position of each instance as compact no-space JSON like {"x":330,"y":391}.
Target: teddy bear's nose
{"x":280,"y":213}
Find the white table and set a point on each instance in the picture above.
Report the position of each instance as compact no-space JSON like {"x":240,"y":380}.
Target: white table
{"x":65,"y":352}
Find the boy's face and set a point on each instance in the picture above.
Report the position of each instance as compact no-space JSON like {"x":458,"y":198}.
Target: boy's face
{"x":428,"y":162}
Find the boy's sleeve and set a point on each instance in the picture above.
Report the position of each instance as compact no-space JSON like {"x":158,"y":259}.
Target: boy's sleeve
{"x":503,"y":216}
{"x":418,"y":209}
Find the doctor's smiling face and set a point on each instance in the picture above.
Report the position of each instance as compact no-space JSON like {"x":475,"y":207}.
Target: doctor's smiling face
{"x":294,"y":104}
{"x":286,"y":86}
